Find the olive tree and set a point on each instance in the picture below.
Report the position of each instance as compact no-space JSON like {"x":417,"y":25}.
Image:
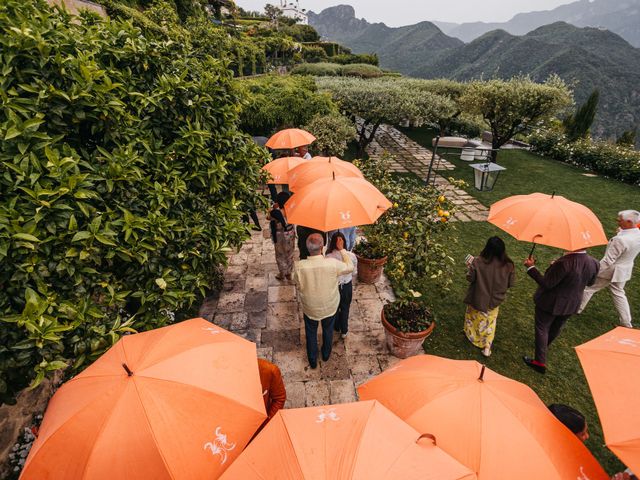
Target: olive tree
{"x":374,"y":102}
{"x":509,"y":107}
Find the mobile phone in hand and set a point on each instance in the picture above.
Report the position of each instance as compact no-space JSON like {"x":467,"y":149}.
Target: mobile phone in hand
{"x":468,"y":259}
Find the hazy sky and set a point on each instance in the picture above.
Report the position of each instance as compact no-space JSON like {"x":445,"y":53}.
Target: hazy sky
{"x":405,"y":12}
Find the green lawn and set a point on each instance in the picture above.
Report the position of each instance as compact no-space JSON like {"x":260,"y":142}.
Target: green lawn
{"x":564,"y":381}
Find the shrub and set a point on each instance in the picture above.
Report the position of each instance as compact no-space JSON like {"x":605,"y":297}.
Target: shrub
{"x":322,"y":69}
{"x":333,"y":134}
{"x":313,"y":54}
{"x":360,"y":70}
{"x":614,"y":161}
{"x":123,"y":178}
{"x":349,"y":58}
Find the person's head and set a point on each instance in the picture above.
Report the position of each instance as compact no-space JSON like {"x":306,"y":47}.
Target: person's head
{"x":315,"y":242}
{"x":628,"y":219}
{"x":281,"y":198}
{"x":495,"y":248}
{"x":303,"y":150}
{"x":572,"y":419}
{"x":334,"y":241}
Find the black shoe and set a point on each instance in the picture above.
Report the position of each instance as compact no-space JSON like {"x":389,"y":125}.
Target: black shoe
{"x":313,"y":365}
{"x":533,"y":364}
{"x":325,"y":359}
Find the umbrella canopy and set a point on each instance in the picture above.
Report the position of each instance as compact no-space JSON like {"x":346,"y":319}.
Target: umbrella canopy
{"x":290,"y":138}
{"x":335,"y":203}
{"x":279,"y":169}
{"x":360,"y":440}
{"x":321,"y":167}
{"x":548,"y":220}
{"x":611,"y":363}
{"x":494,"y":425}
{"x":179,"y":402}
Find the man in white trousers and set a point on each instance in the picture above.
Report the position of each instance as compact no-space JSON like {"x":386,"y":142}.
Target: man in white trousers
{"x":616,"y":267}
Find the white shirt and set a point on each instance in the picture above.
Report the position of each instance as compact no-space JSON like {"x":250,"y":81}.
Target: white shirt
{"x":344,"y":279}
{"x":617,"y":263}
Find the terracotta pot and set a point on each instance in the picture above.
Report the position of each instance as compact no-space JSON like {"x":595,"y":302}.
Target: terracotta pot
{"x":404,"y":345}
{"x":369,"y":269}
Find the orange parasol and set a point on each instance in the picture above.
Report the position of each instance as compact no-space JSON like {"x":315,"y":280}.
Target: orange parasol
{"x":494,"y":425}
{"x":548,"y":220}
{"x":360,"y":440}
{"x":179,"y":402}
{"x":279,"y":169}
{"x":334,"y":203}
{"x":290,"y":138}
{"x":611,"y":363}
{"x":321,"y":167}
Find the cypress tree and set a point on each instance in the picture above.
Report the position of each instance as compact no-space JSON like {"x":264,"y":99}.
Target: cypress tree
{"x":578,"y":125}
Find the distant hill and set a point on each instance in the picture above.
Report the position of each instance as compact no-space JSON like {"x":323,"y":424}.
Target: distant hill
{"x":397,"y":48}
{"x":619,"y":16}
{"x":586,"y":57}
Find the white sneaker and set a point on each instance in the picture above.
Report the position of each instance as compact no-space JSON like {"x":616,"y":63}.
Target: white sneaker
{"x":486,"y":351}
{"x":344,"y":335}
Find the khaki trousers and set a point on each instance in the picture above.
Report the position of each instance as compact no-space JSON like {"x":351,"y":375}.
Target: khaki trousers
{"x":617,"y":293}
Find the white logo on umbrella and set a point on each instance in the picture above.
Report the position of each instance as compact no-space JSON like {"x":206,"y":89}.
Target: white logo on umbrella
{"x":346,"y":216}
{"x":220,"y":446}
{"x":583,"y":476}
{"x":587,"y":236}
{"x":329,"y":414}
{"x":510,"y":222}
{"x":211,"y":330}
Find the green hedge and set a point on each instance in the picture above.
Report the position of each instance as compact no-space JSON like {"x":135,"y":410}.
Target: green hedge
{"x":614,"y":161}
{"x":345,"y":59}
{"x":123,"y":179}
{"x":324,"y":69}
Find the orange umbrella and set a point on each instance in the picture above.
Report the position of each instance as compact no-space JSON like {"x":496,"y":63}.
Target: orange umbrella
{"x":290,"y":138}
{"x":321,"y":167}
{"x":360,"y":440}
{"x":179,"y":402}
{"x":548,"y":220}
{"x":494,"y":425}
{"x":334,"y":203}
{"x":611,"y":363}
{"x":279,"y":169}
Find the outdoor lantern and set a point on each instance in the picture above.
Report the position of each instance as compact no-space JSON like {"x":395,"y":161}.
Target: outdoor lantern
{"x":486,"y":175}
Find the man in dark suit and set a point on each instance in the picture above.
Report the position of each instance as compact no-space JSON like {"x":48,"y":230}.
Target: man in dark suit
{"x":558,"y":297}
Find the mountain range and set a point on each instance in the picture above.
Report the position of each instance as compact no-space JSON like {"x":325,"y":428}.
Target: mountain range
{"x":586,"y":58}
{"x":619,"y":16}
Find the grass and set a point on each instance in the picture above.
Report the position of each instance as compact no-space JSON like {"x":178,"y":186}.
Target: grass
{"x":564,"y":381}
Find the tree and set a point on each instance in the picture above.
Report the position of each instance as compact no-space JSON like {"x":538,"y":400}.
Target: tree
{"x":374,"y":102}
{"x":579,"y":124}
{"x":333,"y":134}
{"x":272,"y":12}
{"x":509,"y":107}
{"x":628,"y":138}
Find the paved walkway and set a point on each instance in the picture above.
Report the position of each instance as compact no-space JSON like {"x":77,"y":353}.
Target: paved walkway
{"x":409,"y":156}
{"x":255,"y":305}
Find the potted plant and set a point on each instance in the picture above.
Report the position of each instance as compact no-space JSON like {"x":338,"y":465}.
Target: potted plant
{"x":371,"y":260}
{"x":407,"y":323}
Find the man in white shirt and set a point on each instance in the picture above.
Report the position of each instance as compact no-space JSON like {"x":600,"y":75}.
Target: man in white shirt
{"x":616,"y":267}
{"x":317,"y":281}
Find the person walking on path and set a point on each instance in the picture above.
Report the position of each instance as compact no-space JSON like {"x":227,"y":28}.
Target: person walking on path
{"x":558,"y":297}
{"x":273,"y":390}
{"x":317,"y":282}
{"x":490,"y":276}
{"x":345,"y":284}
{"x":616,"y":267}
{"x":283,"y":236}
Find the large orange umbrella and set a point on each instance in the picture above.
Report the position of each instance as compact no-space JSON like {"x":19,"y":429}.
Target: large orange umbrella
{"x":290,"y":138}
{"x":611,"y":363}
{"x":360,"y":440}
{"x":494,"y":425}
{"x":179,"y":402}
{"x":321,"y":167}
{"x":334,"y":203}
{"x":279,"y":169}
{"x":548,"y":220}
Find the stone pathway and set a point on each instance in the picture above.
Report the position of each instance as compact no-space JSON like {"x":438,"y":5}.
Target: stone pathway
{"x":409,"y":156}
{"x":255,"y":305}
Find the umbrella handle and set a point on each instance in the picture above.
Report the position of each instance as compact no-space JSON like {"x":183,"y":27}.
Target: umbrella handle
{"x":429,"y":436}
{"x":534,"y":245}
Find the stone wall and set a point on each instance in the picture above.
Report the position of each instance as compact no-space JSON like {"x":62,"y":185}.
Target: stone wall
{"x":74,"y":6}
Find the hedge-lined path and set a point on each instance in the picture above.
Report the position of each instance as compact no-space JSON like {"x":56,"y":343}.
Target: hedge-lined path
{"x":409,"y":156}
{"x":255,"y":305}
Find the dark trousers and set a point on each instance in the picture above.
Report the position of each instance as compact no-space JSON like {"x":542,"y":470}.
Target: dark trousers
{"x":273,"y":192}
{"x":311,"y":333}
{"x":342,"y":316}
{"x":548,"y":327}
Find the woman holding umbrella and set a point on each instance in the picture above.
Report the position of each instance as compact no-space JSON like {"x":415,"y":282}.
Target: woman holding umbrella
{"x":283,"y":236}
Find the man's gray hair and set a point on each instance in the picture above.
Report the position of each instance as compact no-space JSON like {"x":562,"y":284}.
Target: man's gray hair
{"x":630,"y":215}
{"x":315,"y":242}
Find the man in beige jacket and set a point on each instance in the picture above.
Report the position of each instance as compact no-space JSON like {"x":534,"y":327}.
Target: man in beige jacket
{"x":317,"y":281}
{"x":616,"y":267}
